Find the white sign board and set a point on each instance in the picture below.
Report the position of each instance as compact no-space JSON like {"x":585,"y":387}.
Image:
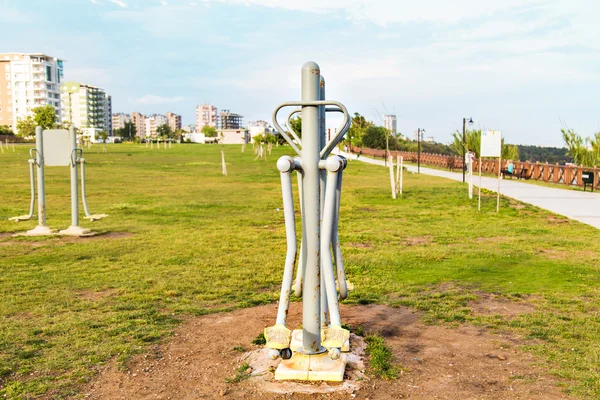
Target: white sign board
{"x":57,"y":148}
{"x":491,"y":144}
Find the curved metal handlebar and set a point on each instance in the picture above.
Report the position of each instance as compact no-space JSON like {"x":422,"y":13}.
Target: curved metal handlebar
{"x":35,"y":160}
{"x":332,"y":143}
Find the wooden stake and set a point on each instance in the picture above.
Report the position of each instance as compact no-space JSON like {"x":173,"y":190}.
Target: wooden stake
{"x":393,"y":183}
{"x":223,"y":163}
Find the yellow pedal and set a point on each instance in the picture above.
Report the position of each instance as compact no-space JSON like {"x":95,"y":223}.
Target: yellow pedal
{"x":334,"y":336}
{"x":278,"y":337}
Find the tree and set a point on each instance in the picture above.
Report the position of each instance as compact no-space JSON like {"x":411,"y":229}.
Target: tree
{"x":209,"y":131}
{"x":472,"y":142}
{"x":357,"y":130}
{"x":164,"y":131}
{"x":128,"y":131}
{"x":375,"y":137}
{"x":103,"y":135}
{"x":26,"y":126}
{"x":5,"y":130}
{"x":45,"y":117}
{"x":296,"y":126}
{"x":510,"y":152}
{"x":585,"y":152}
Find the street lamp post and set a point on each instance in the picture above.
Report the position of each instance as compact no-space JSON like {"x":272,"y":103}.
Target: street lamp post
{"x":419,"y":133}
{"x":464,"y":144}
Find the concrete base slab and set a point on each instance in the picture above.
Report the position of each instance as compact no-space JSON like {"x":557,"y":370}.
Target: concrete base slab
{"x":40,"y":230}
{"x":318,"y":367}
{"x":20,"y":218}
{"x":96,"y":217}
{"x":76,"y":231}
{"x":296,"y":343}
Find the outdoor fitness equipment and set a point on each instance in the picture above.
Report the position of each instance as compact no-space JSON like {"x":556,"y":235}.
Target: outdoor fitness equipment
{"x":316,"y":354}
{"x":54,"y":148}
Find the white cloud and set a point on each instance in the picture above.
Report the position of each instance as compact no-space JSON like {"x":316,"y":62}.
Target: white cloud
{"x":150,"y":99}
{"x":163,"y":2}
{"x":120,"y":3}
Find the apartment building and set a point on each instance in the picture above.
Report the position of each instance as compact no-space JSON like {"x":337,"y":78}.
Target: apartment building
{"x":139,"y":120}
{"x":174,"y":121}
{"x":119,"y":120}
{"x":259,"y":128}
{"x":153,"y":122}
{"x":28,"y":80}
{"x":206,"y":114}
{"x":389,"y":123}
{"x":86,"y":106}
{"x":230,"y":120}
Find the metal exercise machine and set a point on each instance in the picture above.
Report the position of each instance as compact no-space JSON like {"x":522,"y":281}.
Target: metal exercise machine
{"x":57,"y":147}
{"x":313,"y":353}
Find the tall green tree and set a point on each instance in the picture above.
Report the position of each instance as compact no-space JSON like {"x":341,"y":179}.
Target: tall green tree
{"x":585,"y":152}
{"x":164,"y":131}
{"x":128,"y":131}
{"x":357,"y":130}
{"x":45,"y":116}
{"x":296,"y":125}
{"x":209,"y":131}
{"x":472,"y":140}
{"x":375,"y":137}
{"x":5,"y":130}
{"x":26,"y":126}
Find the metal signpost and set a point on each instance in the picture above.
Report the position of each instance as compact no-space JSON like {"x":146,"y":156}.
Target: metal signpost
{"x":57,"y":148}
{"x":313,"y":353}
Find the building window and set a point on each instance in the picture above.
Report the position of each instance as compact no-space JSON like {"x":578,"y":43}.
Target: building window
{"x":48,"y":73}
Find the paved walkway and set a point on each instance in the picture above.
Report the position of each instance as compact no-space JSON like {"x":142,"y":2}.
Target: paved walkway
{"x":580,"y":206}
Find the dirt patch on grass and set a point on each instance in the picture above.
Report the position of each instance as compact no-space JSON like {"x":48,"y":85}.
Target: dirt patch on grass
{"x":107,"y":235}
{"x":417,"y":241}
{"x":494,"y":239}
{"x":93,"y":295}
{"x":490,"y":304}
{"x":439,"y":362}
{"x":359,"y":245}
{"x":5,"y":235}
{"x":557,"y":220}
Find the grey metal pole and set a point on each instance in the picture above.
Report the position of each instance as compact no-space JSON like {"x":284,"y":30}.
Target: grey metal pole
{"x":464,"y":146}
{"x":334,"y":165}
{"x":39,"y":144}
{"x":74,"y":178}
{"x":311,"y":297}
{"x":286,"y":165}
{"x":323,"y":177}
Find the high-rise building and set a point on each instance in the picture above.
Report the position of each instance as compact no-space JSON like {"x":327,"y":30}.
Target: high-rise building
{"x":230,"y":120}
{"x":139,"y":120}
{"x":108,"y":115}
{"x":28,"y":80}
{"x":86,"y":106}
{"x":206,"y":115}
{"x":389,"y":123}
{"x":174,"y":121}
{"x":153,"y":122}
{"x":119,"y":120}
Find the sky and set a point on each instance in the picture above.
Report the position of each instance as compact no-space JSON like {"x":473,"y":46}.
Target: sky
{"x":526,"y":67}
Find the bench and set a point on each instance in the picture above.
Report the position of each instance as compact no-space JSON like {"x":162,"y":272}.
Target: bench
{"x":522,"y":173}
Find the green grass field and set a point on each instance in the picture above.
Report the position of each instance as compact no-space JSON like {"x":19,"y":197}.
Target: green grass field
{"x":193,"y":241}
